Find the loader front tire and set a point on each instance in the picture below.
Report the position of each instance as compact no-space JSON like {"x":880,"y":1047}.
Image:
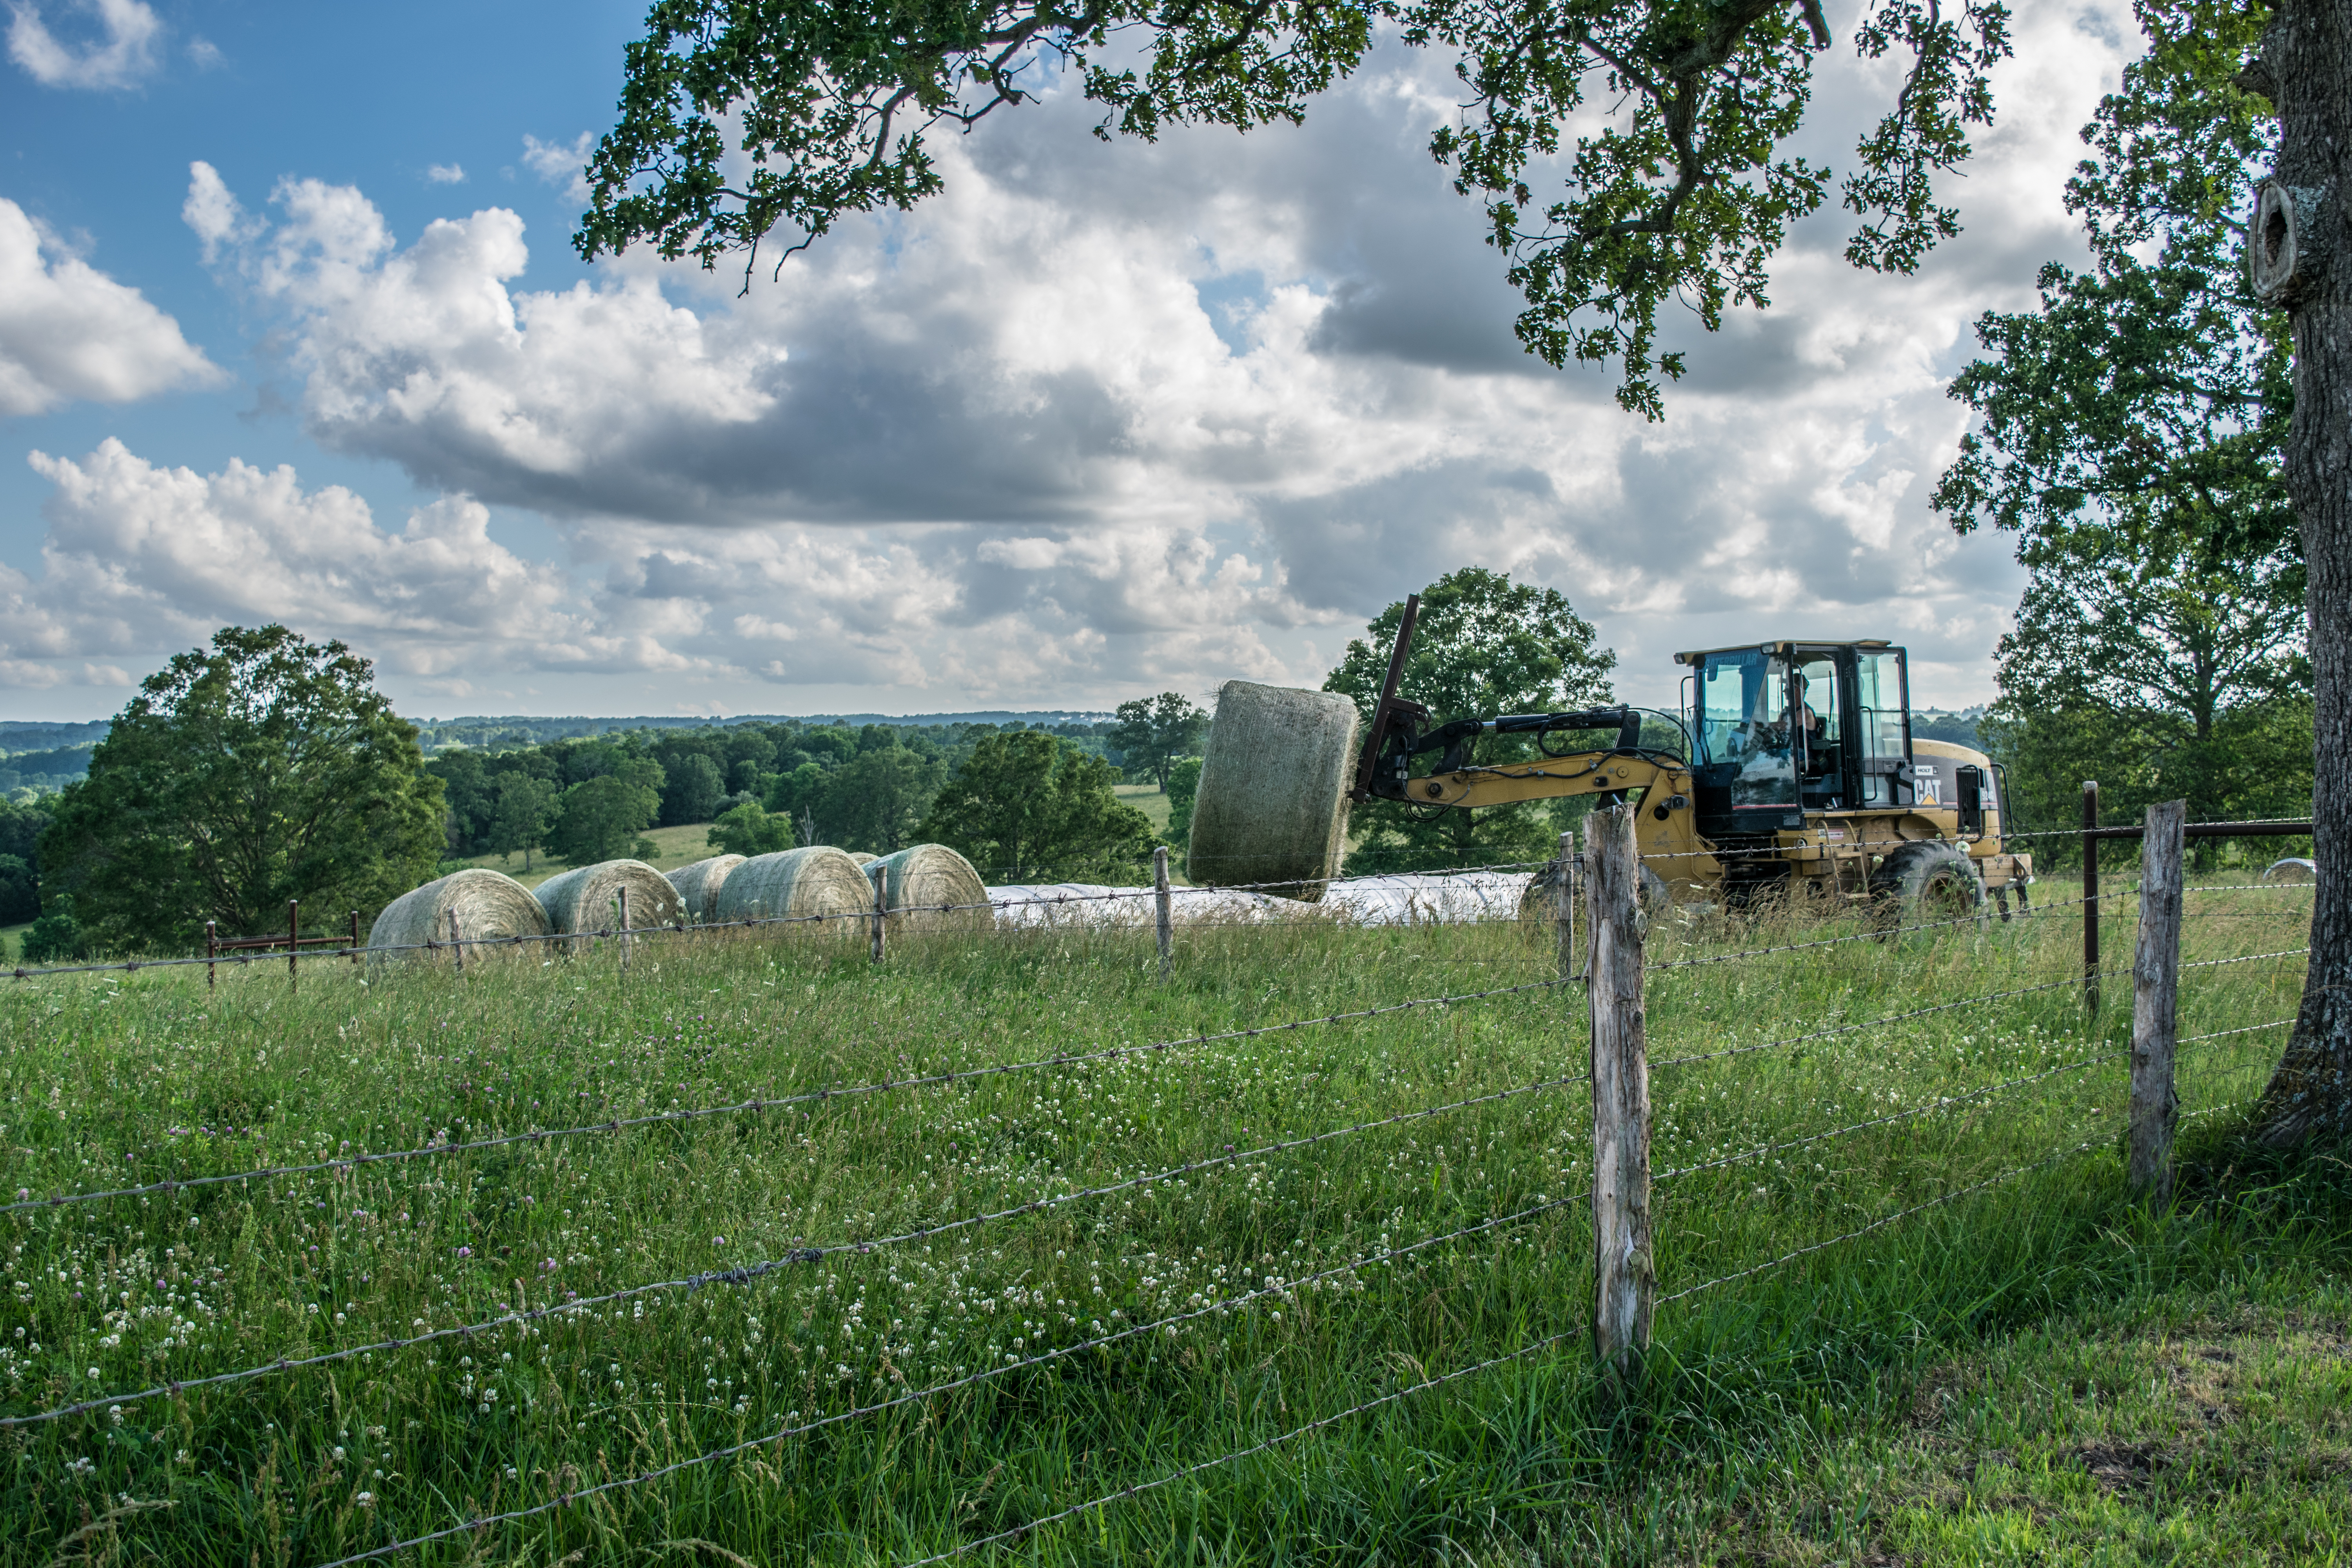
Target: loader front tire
{"x":1922,"y":884}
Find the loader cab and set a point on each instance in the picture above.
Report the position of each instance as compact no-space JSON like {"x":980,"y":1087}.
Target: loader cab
{"x":1787,"y":729}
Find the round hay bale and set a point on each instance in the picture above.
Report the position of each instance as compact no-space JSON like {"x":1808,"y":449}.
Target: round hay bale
{"x":920,"y":878}
{"x":1272,"y":805}
{"x":798,"y":884}
{"x":582,"y":900}
{"x":2293,"y":869}
{"x":487,"y":904}
{"x":698,"y":886}
{"x":862,"y":857}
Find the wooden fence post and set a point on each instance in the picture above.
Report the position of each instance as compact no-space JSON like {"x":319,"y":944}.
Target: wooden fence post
{"x":2156,"y":983}
{"x":457,"y":942}
{"x":1167,"y":915}
{"x":211,"y":952}
{"x":355,"y":936}
{"x":623,"y":900}
{"x":1624,"y":1280}
{"x":293,"y":944}
{"x":881,"y":908}
{"x":1564,"y":904}
{"x":2090,"y":898}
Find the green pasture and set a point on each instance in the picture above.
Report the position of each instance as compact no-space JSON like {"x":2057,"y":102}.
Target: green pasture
{"x":2031,"y":1372}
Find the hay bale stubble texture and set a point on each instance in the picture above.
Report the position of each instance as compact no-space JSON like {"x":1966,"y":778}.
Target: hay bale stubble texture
{"x":799,"y":884}
{"x":1272,"y":806}
{"x":918,"y":880}
{"x":489,"y":905}
{"x":698,"y":886}
{"x":583,"y":898}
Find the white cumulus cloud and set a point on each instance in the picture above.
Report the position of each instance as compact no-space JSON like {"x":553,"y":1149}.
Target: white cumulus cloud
{"x":559,"y":164}
{"x":143,"y":560}
{"x":120,"y":56}
{"x":68,"y":330}
{"x":1099,"y":418}
{"x":446,"y":175}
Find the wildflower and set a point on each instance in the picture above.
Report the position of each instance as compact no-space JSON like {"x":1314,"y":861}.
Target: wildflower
{"x":366,"y":1499}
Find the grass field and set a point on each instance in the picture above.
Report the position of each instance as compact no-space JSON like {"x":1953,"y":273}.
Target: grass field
{"x":2035,"y":1373}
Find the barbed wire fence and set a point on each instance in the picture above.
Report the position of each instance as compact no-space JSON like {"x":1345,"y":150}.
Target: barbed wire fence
{"x":1627,"y":1291}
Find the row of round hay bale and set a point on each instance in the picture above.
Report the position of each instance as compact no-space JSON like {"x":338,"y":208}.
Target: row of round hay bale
{"x":488,"y":905}
{"x":587,"y":898}
{"x":698,"y":886}
{"x":1271,"y":809}
{"x":930,"y":887}
{"x":806,"y":884}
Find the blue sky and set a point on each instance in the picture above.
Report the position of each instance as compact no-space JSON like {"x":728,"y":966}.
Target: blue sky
{"x":1099,"y":421}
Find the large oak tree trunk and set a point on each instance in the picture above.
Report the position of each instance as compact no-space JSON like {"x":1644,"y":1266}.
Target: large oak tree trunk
{"x":2307,"y":59}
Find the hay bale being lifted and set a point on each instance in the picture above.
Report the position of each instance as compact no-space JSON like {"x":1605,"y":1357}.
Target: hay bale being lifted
{"x":698,"y":886}
{"x":798,"y":884}
{"x":918,"y":880}
{"x":585,"y":898}
{"x":489,"y":905}
{"x":1271,"y":804}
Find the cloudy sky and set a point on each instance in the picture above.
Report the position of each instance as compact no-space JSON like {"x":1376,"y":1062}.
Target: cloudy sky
{"x":291,"y":330}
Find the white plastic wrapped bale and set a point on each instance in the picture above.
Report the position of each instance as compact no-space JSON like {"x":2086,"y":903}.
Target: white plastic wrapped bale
{"x":811,"y":884}
{"x":1095,"y":904}
{"x":1271,"y":809}
{"x":1430,"y":899}
{"x":930,"y":887}
{"x":489,"y":905}
{"x":698,"y":886}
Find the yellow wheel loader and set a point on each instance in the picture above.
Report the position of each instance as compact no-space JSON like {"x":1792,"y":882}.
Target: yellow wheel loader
{"x":1794,"y":772}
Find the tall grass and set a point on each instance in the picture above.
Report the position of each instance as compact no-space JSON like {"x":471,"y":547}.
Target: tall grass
{"x":122,"y":1080}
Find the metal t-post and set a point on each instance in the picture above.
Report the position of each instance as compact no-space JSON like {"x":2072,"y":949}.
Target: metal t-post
{"x":2090,"y":898}
{"x":1166,"y":916}
{"x":1563,"y":904}
{"x":881,"y":908}
{"x":293,"y":944}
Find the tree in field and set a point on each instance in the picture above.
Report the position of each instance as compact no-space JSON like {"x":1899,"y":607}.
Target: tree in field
{"x":1484,"y":646}
{"x":1150,"y":734}
{"x":875,"y":800}
{"x":20,"y":890}
{"x":603,"y":818}
{"x":2131,"y":438}
{"x":523,"y":809}
{"x":748,"y":829}
{"x":1664,"y":124}
{"x":1183,"y":786}
{"x":1028,"y":807}
{"x":694,"y":786}
{"x":263,"y":769}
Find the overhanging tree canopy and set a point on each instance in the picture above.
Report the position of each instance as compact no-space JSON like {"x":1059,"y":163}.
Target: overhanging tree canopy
{"x":1685,"y":193}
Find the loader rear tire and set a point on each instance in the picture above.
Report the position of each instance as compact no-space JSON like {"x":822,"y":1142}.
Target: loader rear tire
{"x":1927,"y":883}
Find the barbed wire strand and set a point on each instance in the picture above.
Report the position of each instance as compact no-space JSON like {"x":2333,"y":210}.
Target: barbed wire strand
{"x":1283,"y":1288}
{"x":925,"y":1080}
{"x":2070,"y":980}
{"x":1885,"y":1220}
{"x":1394,"y":1396}
{"x":2246,"y":958}
{"x":747,"y":1273}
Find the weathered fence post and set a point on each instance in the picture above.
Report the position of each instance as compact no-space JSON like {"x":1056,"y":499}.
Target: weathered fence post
{"x":1563,"y":904}
{"x":2090,"y":898}
{"x":293,"y":944}
{"x":355,"y":936}
{"x":1167,"y":915}
{"x":457,"y":942}
{"x":2156,"y":985}
{"x":1624,"y":1280}
{"x":624,"y":900}
{"x":881,"y":908}
{"x":211,"y":952}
